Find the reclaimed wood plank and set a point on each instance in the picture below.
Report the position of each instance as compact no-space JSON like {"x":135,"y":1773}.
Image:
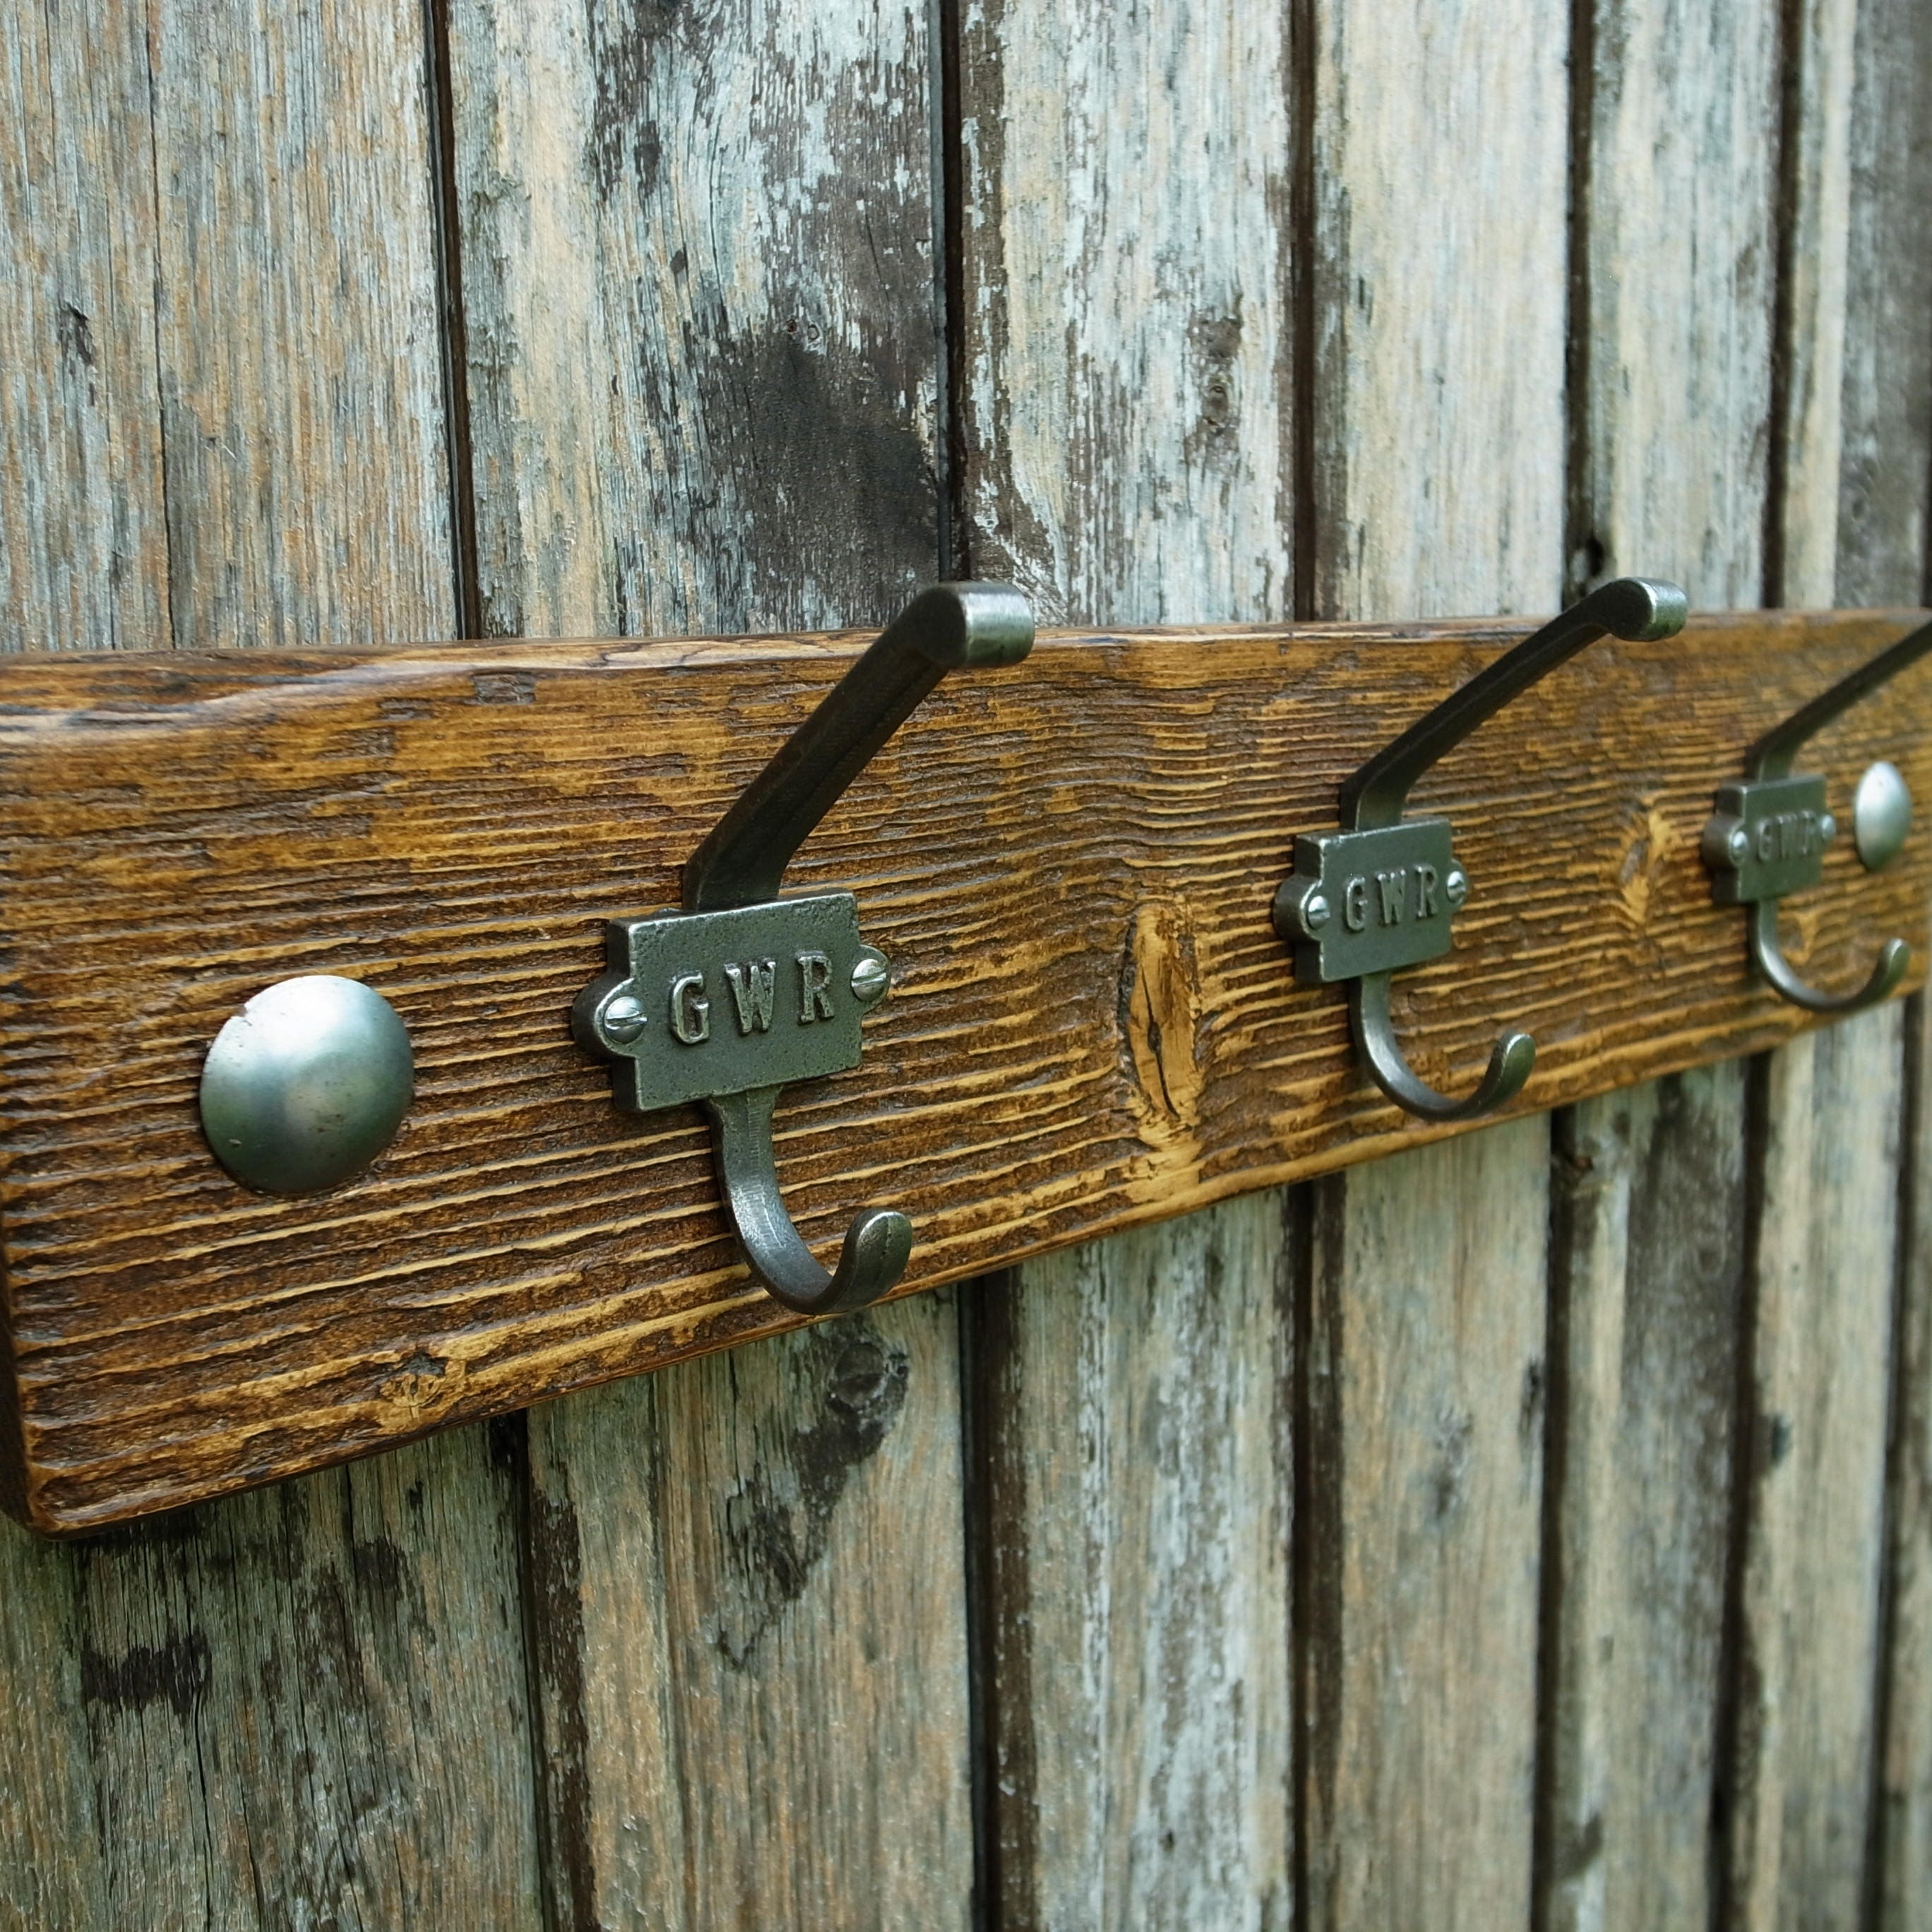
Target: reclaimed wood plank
{"x":1124,"y":401}
{"x":1674,"y":428}
{"x":698,"y":263}
{"x":1437,"y":453}
{"x":557,"y":1242}
{"x":223,"y":396}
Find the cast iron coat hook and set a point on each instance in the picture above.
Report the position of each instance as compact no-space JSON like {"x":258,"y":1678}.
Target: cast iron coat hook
{"x":1768,"y":834}
{"x":797,"y":977}
{"x":1380,"y":894}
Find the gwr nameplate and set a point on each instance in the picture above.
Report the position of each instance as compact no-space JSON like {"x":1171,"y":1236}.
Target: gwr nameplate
{"x":697,"y":1005}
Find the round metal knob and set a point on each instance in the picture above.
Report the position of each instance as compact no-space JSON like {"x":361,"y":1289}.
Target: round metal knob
{"x":306,"y":1085}
{"x":1881,"y":814}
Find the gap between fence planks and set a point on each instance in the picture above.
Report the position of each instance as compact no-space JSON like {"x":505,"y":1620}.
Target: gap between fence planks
{"x":1093,"y":1023}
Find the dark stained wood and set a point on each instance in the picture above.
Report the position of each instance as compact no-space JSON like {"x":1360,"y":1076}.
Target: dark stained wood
{"x":700,"y":301}
{"x":393,"y":817}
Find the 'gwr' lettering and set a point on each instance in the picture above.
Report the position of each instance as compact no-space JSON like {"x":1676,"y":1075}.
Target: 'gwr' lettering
{"x":1788,"y":835}
{"x":815,"y":982}
{"x":752,"y":986}
{"x":1391,"y":899}
{"x":690,"y":1010}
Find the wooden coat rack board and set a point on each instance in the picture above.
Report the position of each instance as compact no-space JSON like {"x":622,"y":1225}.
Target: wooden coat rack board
{"x":1070,"y":862}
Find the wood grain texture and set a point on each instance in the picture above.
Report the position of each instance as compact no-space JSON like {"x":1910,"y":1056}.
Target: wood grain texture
{"x":223,"y":425}
{"x":1130,"y":1553}
{"x":1885,"y":481}
{"x":522,"y":1237}
{"x":1416,"y":1595}
{"x":1124,"y":404}
{"x":1675,"y":160}
{"x":1806,"y":1724}
{"x":296,"y":321}
{"x":703,"y":362}
{"x":83,"y":543}
{"x":1124,"y":382}
{"x":752,"y":1671}
{"x":308,"y":1702}
{"x":698,"y":276}
{"x":1647,"y":1308}
{"x":1677,"y":259}
{"x":1902,"y":1875}
{"x":1437,"y":455}
{"x":1808,"y":1659}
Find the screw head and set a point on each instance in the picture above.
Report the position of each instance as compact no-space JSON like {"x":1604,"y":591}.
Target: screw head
{"x":1456,"y":886}
{"x":871,"y":974}
{"x":1828,"y":828}
{"x":1316,"y":912}
{"x":1881,"y":814}
{"x":622,"y":1019}
{"x":306,"y":1085}
{"x":1738,"y":845}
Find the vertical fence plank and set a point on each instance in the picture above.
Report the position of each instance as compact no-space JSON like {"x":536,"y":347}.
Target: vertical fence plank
{"x":1438,"y":450}
{"x":1903,"y":1873}
{"x":306,"y":1706}
{"x":83,"y":548}
{"x":1674,"y":166}
{"x":1647,"y":1308}
{"x":1813,"y":1561}
{"x":1885,"y":482}
{"x":1125,"y":394}
{"x":698,"y":264}
{"x":1810,"y":1588}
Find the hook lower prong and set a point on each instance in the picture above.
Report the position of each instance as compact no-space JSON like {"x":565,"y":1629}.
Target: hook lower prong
{"x":1894,"y":956}
{"x":1511,"y":1062}
{"x":878,"y":1243}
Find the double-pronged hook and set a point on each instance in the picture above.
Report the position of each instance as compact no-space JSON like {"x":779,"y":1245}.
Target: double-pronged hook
{"x":788,"y":980}
{"x":1379,"y":894}
{"x":1768,"y":834}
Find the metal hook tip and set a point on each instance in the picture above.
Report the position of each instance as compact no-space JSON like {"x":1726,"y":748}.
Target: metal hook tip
{"x":878,"y":1245}
{"x":1647,"y":608}
{"x":1511,"y":1060}
{"x":1894,"y":956}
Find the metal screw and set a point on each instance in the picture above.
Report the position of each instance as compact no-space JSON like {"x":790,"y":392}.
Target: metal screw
{"x":1738,"y":845}
{"x":622,"y":1019}
{"x":871,"y":976}
{"x":1456,"y":886}
{"x":1315,"y":912}
{"x":1881,"y":814}
{"x":1828,"y":828}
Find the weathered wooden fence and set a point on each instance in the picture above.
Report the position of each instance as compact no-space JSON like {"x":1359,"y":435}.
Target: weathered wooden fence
{"x":1532,"y":1530}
